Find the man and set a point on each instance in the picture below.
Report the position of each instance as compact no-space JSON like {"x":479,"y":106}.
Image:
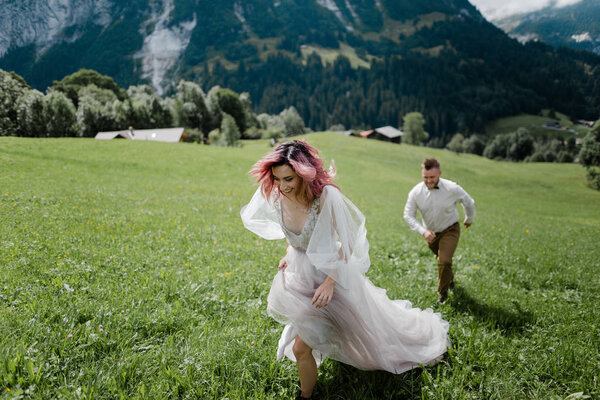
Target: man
{"x":436,"y":199}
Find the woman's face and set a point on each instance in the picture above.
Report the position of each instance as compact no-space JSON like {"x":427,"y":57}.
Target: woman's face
{"x":286,"y":180}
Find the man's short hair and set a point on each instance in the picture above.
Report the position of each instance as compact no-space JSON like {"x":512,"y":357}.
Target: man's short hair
{"x":430,"y":163}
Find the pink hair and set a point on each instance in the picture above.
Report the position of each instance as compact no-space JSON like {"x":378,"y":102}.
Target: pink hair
{"x":304,"y":160}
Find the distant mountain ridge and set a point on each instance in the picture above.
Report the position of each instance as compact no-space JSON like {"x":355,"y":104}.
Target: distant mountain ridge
{"x":439,"y":57}
{"x":576,"y":26}
{"x":157,"y":41}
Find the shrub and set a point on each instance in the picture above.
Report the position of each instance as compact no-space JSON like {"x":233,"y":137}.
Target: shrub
{"x":457,"y":143}
{"x":230,"y":130}
{"x":216,"y":138}
{"x":564,"y":157}
{"x":497,"y":148}
{"x":196,"y":136}
{"x":474,"y":145}
{"x":521,"y":145}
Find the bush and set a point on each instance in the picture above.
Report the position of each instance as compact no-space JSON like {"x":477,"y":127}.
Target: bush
{"x":589,"y":156}
{"x":593,"y":177}
{"x":457,"y":143}
{"x":549,"y":156}
{"x":474,"y":145}
{"x":216,"y":138}
{"x":521,"y":145}
{"x":31,"y":114}
{"x":196,"y":136}
{"x":497,"y":148}
{"x":61,"y":116}
{"x":230,"y":130}
{"x":252,"y":133}
{"x":538,"y":156}
{"x":515,"y":146}
{"x":413,"y":128}
{"x":564,"y":157}
{"x":292,"y":122}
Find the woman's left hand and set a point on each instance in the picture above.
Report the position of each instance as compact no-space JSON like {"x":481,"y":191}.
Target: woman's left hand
{"x":324,"y":293}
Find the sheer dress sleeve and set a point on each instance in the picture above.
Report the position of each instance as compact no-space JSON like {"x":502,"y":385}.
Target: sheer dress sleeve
{"x":260,"y":217}
{"x":338,"y":246}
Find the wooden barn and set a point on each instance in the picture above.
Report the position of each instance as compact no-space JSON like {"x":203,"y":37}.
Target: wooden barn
{"x":385,"y":133}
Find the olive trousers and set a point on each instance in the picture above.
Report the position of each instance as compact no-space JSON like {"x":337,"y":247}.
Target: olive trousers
{"x":443,"y":247}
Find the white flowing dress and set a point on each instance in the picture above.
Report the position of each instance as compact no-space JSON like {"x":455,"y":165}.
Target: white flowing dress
{"x":361,"y":326}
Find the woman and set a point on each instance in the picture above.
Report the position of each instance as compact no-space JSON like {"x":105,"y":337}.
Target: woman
{"x":320,"y":293}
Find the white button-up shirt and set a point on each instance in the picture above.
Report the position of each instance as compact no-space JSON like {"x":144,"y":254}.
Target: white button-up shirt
{"x":437,"y":206}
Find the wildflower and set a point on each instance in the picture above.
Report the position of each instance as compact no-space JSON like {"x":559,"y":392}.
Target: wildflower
{"x":227,"y":274}
{"x":100,"y":328}
{"x":474,"y":267}
{"x":69,"y":336}
{"x":526,"y":230}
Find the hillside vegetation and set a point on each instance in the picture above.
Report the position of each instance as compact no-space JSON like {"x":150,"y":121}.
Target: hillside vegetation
{"x":362,"y":64}
{"x":126,"y":273}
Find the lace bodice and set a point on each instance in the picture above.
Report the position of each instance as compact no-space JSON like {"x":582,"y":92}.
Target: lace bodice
{"x":334,"y":236}
{"x":299,"y":240}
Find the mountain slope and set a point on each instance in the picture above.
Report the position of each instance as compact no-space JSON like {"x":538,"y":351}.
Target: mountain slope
{"x":576,"y":26}
{"x":439,"y":57}
{"x":157,"y":40}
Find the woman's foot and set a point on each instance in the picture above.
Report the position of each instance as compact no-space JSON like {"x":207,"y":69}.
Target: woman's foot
{"x":300,"y":397}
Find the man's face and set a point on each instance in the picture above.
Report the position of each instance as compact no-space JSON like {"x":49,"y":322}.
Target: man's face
{"x":431,"y":177}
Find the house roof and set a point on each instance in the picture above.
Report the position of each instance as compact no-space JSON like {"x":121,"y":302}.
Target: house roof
{"x":389,"y":131}
{"x":112,"y":135}
{"x":171,"y":135}
{"x":366,"y":133}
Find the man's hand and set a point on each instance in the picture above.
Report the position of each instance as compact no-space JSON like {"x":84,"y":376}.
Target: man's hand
{"x":324,"y":293}
{"x":429,"y":236}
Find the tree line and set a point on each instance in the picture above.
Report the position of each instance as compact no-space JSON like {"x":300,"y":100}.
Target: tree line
{"x":478,"y":76}
{"x":86,"y":102}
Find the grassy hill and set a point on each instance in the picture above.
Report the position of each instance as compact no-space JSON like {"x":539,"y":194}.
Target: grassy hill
{"x":534,"y":123}
{"x":126,"y":272}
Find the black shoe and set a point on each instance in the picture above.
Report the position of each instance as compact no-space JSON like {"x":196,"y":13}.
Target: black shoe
{"x":452,"y":285}
{"x":441,"y":299}
{"x":299,"y":397}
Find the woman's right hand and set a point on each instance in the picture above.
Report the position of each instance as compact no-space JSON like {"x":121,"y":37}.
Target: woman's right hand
{"x":282,"y":264}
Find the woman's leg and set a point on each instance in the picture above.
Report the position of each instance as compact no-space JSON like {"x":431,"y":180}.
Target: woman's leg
{"x":307,"y":366}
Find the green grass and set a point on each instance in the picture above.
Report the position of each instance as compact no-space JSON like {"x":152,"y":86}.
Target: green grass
{"x":329,"y":55}
{"x":534,"y":123}
{"x":125,"y":272}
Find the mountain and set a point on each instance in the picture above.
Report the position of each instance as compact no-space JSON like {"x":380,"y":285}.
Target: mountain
{"x":157,"y":40}
{"x":356,"y":62}
{"x":576,"y":26}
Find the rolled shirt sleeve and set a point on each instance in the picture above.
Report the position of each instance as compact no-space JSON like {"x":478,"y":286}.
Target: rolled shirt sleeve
{"x":468,"y":205}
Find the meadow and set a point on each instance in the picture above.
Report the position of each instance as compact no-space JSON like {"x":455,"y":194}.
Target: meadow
{"x":534,"y":124}
{"x":125,"y":272}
